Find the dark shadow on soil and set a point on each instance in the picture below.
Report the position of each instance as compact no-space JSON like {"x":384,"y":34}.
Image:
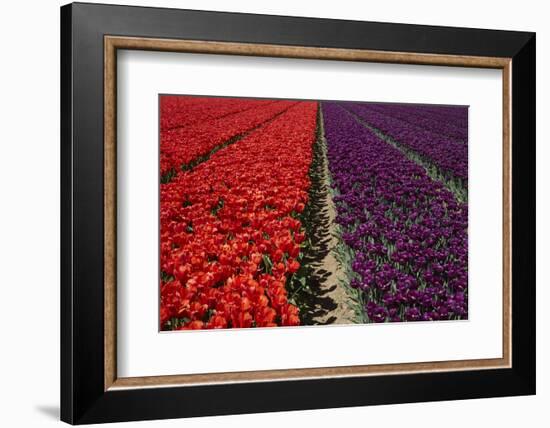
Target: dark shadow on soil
{"x":313,"y":300}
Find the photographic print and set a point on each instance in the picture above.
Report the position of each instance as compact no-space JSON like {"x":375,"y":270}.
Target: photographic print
{"x":277,"y":212}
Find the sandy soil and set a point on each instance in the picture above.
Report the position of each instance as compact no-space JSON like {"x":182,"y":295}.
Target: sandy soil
{"x":328,"y":267}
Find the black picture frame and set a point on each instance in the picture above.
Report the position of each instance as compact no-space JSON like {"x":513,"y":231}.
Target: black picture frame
{"x":83,"y":398}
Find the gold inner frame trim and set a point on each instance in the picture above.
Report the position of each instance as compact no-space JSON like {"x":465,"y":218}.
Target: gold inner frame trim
{"x":113,"y":43}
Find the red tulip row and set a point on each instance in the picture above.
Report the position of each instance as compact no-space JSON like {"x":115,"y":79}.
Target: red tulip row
{"x":180,"y":146}
{"x":178,"y":111}
{"x":230,"y":236}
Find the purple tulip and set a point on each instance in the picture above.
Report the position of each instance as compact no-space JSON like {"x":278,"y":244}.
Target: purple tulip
{"x":413,"y":314}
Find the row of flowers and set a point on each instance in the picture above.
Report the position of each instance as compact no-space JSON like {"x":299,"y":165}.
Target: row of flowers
{"x":406,"y":231}
{"x":457,"y":114}
{"x":230,"y":233}
{"x":178,"y":111}
{"x":180,"y":146}
{"x":447,"y":123}
{"x":449,"y":155}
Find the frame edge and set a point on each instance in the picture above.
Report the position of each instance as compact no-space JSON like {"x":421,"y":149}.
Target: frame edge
{"x":119,"y":405}
{"x":524,"y":215}
{"x":66,"y":100}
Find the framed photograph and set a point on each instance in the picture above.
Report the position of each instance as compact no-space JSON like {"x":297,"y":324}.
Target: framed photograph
{"x":265,"y":213}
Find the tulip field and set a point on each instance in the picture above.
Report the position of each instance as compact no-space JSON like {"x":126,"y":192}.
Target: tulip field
{"x":289,"y":212}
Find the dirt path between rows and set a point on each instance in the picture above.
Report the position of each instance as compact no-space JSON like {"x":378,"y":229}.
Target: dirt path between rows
{"x":332,"y":303}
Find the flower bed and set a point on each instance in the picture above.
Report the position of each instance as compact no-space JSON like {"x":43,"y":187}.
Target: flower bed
{"x":458,"y":115}
{"x":407,"y":232}
{"x":230,"y":236}
{"x":450,"y":156}
{"x":181,"y":146}
{"x":444,"y":123}
{"x":178,"y":111}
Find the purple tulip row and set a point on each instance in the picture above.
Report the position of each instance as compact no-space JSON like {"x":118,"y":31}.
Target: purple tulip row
{"x":444,"y":124}
{"x":450,"y":156}
{"x":406,"y":231}
{"x":457,"y":114}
